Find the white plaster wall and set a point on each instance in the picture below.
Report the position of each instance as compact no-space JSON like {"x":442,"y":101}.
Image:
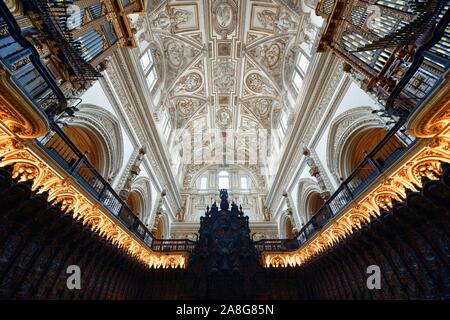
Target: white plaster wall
{"x":354,"y":97}
{"x":97,"y":96}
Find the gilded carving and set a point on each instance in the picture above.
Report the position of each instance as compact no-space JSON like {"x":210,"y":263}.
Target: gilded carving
{"x":426,"y":162}
{"x":28,"y":165}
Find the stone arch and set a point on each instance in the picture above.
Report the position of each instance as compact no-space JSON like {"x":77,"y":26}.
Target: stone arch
{"x":142,"y":187}
{"x":287,"y":226}
{"x":344,"y":130}
{"x":106,"y":128}
{"x":306,"y":188}
{"x":161,"y":226}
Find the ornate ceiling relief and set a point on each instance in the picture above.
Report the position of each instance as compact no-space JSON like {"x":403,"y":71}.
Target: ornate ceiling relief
{"x":259,"y":84}
{"x":177,"y":18}
{"x":224,"y":14}
{"x":270,"y":56}
{"x":185,"y":108}
{"x":224,"y":76}
{"x":224,"y":59}
{"x":272,"y":19}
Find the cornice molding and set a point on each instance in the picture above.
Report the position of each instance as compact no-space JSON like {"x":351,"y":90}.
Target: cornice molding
{"x":322,"y":87}
{"x":128,"y":103}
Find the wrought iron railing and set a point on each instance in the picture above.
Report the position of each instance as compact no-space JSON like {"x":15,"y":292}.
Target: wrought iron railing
{"x":173,"y":245}
{"x":271,"y":245}
{"x":383,"y":156}
{"x":59,"y":146}
{"x":22,"y":61}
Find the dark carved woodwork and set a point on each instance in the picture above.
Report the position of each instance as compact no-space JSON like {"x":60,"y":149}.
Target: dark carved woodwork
{"x":224,"y":263}
{"x":410,"y":244}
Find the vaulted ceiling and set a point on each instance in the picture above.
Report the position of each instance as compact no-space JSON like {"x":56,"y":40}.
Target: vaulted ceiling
{"x":226,"y":63}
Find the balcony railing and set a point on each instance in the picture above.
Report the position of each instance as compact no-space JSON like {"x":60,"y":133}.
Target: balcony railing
{"x":173,"y":245}
{"x":382,"y":157}
{"x":22,"y":61}
{"x":271,"y":245}
{"x":60,"y":148}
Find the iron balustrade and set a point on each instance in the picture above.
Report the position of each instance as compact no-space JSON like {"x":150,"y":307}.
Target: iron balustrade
{"x":60,"y":148}
{"x":173,"y":245}
{"x":382,"y":157}
{"x":23,"y":63}
{"x":271,"y":245}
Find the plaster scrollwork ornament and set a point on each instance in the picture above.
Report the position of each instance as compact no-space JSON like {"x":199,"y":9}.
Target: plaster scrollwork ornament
{"x":224,"y":16}
{"x":316,"y":173}
{"x":172,"y":18}
{"x":224,"y":117}
{"x":185,"y":107}
{"x":224,"y":79}
{"x":132,"y":174}
{"x":267,"y":213}
{"x":280,"y":22}
{"x":263,"y":107}
{"x":139,"y":23}
{"x":189,"y":83}
{"x":175,"y":53}
{"x":258,"y":84}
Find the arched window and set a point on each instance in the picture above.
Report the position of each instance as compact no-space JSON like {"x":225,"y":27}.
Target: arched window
{"x":244,"y":183}
{"x":301,"y":66}
{"x":166,"y":127}
{"x":223,"y":179}
{"x":204,"y":183}
{"x":149,"y":69}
